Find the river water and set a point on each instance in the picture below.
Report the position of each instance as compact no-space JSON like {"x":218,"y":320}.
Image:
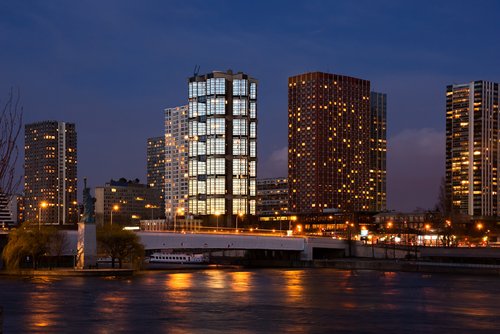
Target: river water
{"x":253,"y":301}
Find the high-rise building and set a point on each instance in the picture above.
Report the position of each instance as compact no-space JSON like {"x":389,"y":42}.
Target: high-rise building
{"x":156,"y":170}
{"x":378,"y":151}
{"x":328,"y":143}
{"x":222,"y":145}
{"x":472,"y":152}
{"x":125,"y":202}
{"x":50,"y":173}
{"x":272,"y":196}
{"x":176,"y":161}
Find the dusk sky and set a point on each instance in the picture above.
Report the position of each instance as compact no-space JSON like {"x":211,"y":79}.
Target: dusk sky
{"x":111,"y":67}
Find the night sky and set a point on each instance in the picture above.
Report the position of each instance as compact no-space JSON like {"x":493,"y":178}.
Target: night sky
{"x":111,"y":67}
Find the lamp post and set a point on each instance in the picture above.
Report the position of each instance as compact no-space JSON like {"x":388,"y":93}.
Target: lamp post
{"x":238,"y":215}
{"x":217,"y":214}
{"x":349,"y":240}
{"x":42,"y":205}
{"x":152,"y":207}
{"x":113,"y":208}
{"x":179,"y":210}
{"x":294,"y":218}
{"x":427,"y":229}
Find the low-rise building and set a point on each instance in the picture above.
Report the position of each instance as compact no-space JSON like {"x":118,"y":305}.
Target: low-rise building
{"x":126,"y":202}
{"x":272,"y":196}
{"x":8,"y":211}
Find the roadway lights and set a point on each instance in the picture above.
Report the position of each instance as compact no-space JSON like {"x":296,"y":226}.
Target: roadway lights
{"x":113,"y":208}
{"x":43,"y":205}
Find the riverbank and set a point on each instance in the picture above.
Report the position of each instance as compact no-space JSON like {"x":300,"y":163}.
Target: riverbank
{"x":67,"y":272}
{"x":386,"y":265}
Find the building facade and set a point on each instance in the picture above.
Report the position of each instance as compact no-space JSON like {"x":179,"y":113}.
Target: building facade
{"x":156,"y":170}
{"x":328,"y":143}
{"x":472,"y":139}
{"x":272,"y":196}
{"x":176,"y":161}
{"x":8,"y":211}
{"x":222,"y":150}
{"x":50,"y":173}
{"x":126,"y":202}
{"x":378,"y":152}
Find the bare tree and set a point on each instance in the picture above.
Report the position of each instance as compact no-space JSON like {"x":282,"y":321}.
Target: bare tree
{"x":11,"y":120}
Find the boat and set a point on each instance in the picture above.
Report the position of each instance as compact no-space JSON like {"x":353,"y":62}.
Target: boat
{"x":159,"y":260}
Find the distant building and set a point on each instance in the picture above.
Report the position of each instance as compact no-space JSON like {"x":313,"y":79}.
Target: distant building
{"x":125,"y":202}
{"x":176,"y":161}
{"x":272,"y":196}
{"x":378,"y":152}
{"x":50,"y":173}
{"x":222,"y":146}
{"x":399,"y":222}
{"x":156,"y":170}
{"x":8,"y":211}
{"x":472,"y":151}
{"x":328,"y":143}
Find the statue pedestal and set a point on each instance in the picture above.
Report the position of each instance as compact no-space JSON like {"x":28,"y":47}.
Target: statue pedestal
{"x":87,"y":246}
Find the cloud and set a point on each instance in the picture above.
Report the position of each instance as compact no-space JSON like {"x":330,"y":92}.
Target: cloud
{"x":415,"y":167}
{"x":276,"y":165}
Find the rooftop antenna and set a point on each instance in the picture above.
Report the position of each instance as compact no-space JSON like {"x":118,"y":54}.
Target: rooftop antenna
{"x":196,"y":70}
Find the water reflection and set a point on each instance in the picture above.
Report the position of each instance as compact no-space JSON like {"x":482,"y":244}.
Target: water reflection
{"x":179,"y":281}
{"x":43,"y":311}
{"x":216,"y":279}
{"x":293,"y":285}
{"x":262,"y":301}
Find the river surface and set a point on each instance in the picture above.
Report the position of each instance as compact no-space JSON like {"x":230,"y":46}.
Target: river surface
{"x":253,"y":301}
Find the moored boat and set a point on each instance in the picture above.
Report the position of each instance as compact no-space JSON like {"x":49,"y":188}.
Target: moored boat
{"x":161,"y":260}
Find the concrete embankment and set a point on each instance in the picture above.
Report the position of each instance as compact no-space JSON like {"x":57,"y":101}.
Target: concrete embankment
{"x":68,"y":272}
{"x":385,"y":265}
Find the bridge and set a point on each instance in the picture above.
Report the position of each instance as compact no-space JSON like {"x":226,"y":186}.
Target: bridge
{"x":306,"y":247}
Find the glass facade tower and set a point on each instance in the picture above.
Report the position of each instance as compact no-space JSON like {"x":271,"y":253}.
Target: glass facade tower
{"x":156,"y":172}
{"x":378,"y":151}
{"x":222,"y":126}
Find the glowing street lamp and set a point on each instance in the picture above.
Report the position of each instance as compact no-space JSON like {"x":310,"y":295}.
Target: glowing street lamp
{"x":217,"y":214}
{"x":152,"y":207}
{"x":42,"y":205}
{"x":113,"y":208}
{"x":240,"y":214}
{"x":292,"y":218}
{"x":178,"y":211}
{"x":479,"y":226}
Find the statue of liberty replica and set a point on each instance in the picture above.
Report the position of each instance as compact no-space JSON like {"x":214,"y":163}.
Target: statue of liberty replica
{"x":87,"y":242}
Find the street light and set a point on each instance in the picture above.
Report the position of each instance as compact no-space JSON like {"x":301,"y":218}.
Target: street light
{"x":152,"y":207}
{"x":42,"y":205}
{"x":240,"y":214}
{"x":217,"y":214}
{"x":179,"y":210}
{"x":113,"y":208}
{"x":294,"y":218}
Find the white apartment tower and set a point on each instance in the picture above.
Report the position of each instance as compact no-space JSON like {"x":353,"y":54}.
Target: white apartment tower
{"x":176,"y":161}
{"x":472,"y":148}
